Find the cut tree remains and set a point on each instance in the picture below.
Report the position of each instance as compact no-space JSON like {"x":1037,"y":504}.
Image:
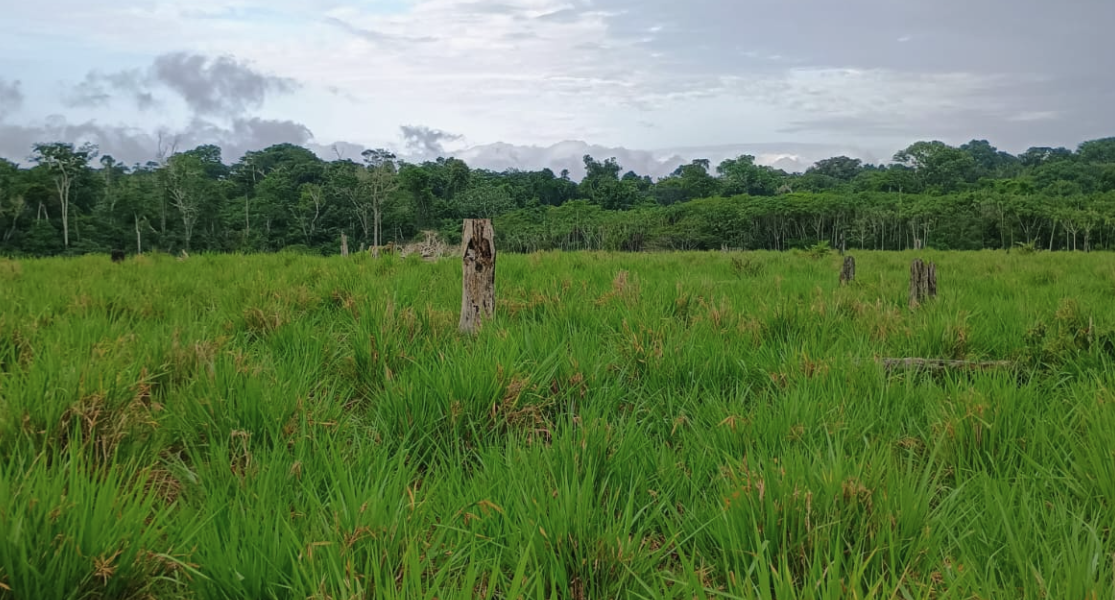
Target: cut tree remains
{"x":478,"y":297}
{"x":848,"y":272}
{"x":923,"y":282}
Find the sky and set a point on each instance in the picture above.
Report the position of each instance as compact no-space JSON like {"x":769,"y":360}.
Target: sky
{"x":533,"y":83}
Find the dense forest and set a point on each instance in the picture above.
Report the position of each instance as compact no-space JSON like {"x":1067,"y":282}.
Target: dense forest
{"x":70,"y":200}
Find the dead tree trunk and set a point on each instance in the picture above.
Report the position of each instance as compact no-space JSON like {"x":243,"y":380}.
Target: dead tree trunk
{"x":931,"y":280}
{"x":139,"y":239}
{"x":344,"y":244}
{"x":923,"y":282}
{"x":848,"y":273}
{"x":478,"y":297}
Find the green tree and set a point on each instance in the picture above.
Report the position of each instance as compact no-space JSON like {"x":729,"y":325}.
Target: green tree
{"x":841,"y":168}
{"x":742,"y":176}
{"x":938,"y":165}
{"x":185,"y":174}
{"x":66,"y":165}
{"x":378,"y":180}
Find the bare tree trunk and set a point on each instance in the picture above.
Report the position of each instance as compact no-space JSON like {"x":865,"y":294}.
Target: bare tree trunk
{"x":479,"y":274}
{"x":344,"y":244}
{"x":376,"y":225}
{"x":63,"y":185}
{"x":139,"y":240}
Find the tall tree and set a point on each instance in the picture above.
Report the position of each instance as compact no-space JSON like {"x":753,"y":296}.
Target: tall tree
{"x":185,"y":174}
{"x":939,"y":165}
{"x":66,"y":165}
{"x":378,"y":179}
{"x":742,"y":176}
{"x":842,"y":168}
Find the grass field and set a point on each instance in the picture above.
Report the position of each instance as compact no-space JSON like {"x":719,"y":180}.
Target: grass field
{"x":699,"y":425}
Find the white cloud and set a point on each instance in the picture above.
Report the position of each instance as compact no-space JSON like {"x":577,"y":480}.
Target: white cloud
{"x":541,"y":71}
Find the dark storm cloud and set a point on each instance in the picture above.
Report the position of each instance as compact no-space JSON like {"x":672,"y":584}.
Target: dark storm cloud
{"x":11,"y":97}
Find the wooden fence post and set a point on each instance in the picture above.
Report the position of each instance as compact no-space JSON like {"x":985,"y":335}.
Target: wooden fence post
{"x":344,"y":245}
{"x":478,"y":294}
{"x":848,"y":273}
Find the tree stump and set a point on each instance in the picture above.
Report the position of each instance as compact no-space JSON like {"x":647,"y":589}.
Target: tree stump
{"x":478,"y":294}
{"x":923,"y":282}
{"x":344,"y":245}
{"x":848,"y":272}
{"x":117,"y":256}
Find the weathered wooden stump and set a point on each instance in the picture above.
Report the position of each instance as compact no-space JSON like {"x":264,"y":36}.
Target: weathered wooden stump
{"x":344,"y":245}
{"x":923,"y":282}
{"x":478,"y":291}
{"x":848,"y":272}
{"x":117,"y":256}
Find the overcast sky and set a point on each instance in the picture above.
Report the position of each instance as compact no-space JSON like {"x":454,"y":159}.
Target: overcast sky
{"x":790,"y":80}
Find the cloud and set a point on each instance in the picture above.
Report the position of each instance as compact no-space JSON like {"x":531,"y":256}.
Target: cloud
{"x":374,"y":36}
{"x":99,"y":89}
{"x":565,"y":15}
{"x":210,"y":86}
{"x":134,"y":145}
{"x":421,"y":140}
{"x":123,"y":142}
{"x":533,"y":72}
{"x":656,"y":163}
{"x":337,"y":150}
{"x":220,"y":86}
{"x":11,"y":97}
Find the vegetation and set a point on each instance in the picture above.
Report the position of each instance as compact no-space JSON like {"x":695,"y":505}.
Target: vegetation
{"x":684,"y":425}
{"x":931,"y":195}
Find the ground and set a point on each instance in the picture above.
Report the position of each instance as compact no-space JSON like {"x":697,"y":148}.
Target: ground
{"x":677,"y":425}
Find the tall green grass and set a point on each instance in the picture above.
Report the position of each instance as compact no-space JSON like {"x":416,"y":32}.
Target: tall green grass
{"x":697,"y":425}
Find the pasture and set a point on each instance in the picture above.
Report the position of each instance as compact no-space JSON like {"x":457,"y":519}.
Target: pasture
{"x":690,"y":425}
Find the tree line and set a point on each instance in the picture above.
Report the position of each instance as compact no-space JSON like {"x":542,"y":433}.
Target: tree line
{"x":70,"y":200}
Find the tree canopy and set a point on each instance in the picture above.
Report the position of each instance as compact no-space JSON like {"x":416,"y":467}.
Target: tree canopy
{"x":71,"y":200}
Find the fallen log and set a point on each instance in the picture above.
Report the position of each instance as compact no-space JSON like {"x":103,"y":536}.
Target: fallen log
{"x":937,"y":364}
